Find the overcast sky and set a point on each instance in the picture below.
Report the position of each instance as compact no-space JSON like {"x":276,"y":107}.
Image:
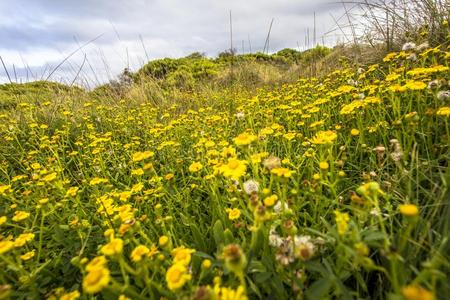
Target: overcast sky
{"x":36,"y":35}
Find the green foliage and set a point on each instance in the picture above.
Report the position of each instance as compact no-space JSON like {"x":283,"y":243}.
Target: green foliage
{"x":332,"y":187}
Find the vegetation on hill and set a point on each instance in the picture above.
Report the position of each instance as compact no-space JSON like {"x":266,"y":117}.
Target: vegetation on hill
{"x":320,"y":174}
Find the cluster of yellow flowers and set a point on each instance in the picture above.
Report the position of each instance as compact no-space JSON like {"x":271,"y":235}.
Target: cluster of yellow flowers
{"x":307,"y":188}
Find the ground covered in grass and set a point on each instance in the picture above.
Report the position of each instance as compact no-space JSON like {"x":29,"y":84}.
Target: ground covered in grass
{"x":328,"y":187}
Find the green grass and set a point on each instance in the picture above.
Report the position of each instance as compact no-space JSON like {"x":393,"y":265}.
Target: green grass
{"x":295,"y":190}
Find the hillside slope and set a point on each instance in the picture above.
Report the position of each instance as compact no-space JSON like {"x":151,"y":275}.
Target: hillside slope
{"x":327,"y":187}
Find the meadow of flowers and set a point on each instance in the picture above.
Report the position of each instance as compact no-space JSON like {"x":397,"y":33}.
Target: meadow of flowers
{"x":328,"y":187}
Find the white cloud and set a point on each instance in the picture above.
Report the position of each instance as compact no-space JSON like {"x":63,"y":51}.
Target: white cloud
{"x":42,"y":33}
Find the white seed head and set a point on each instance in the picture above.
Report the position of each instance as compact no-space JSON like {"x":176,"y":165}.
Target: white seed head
{"x":409,"y":46}
{"x":251,"y":186}
{"x":443,"y":95}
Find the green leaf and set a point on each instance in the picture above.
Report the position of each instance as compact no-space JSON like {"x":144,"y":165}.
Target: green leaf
{"x":218,"y":233}
{"x":256,"y":267}
{"x":229,"y":238}
{"x":262,"y":277}
{"x":319,"y":289}
{"x":199,"y":239}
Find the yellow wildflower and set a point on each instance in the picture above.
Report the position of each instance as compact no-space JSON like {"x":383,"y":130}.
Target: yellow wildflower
{"x":416,"y":292}
{"x":177,"y":276}
{"x":282,"y":172}
{"x":415,"y":85}
{"x":409,"y":210}
{"x":137,"y":172}
{"x":182,"y":255}
{"x":5,"y":246}
{"x":342,"y":220}
{"x":271,"y":200}
{"x":50,"y":177}
{"x":323,"y":165}
{"x":324,"y":137}
{"x":114,"y":247}
{"x":70,"y":296}
{"x":245,"y":139}
{"x":96,"y":280}
{"x":195,"y":167}
{"x":354,"y":132}
{"x":138,"y":156}
{"x":23,"y":239}
{"x":163,"y":240}
{"x":28,"y":255}
{"x":97,"y":181}
{"x":96,"y":263}
{"x":233,"y":213}
{"x":72,"y":191}
{"x":443,"y":111}
{"x":20,"y":216}
{"x":138,"y":252}
{"x":234,"y":168}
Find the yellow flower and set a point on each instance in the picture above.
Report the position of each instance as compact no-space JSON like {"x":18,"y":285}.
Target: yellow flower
{"x":72,"y":191}
{"x":409,"y":210}
{"x":354,"y":132}
{"x":233,"y":213}
{"x":28,"y":255}
{"x":50,"y":177}
{"x":138,"y":156}
{"x":206,"y":264}
{"x":271,"y":200}
{"x":163,"y":240}
{"x":138,"y":252}
{"x":416,"y":292}
{"x":169,"y":176}
{"x":43,"y":201}
{"x":390,"y":56}
{"x":4,"y":189}
{"x":137,"y":172}
{"x":245,"y":139}
{"x":195,"y":167}
{"x":3,"y":220}
{"x":324,"y":137}
{"x":36,"y":166}
{"x":177,"y":276}
{"x":23,"y":239}
{"x":5,"y":246}
{"x":97,"y":181}
{"x":20,"y":215}
{"x":415,"y":85}
{"x":443,"y":111}
{"x":397,"y":88}
{"x":392,"y":77}
{"x":266,"y":131}
{"x":342,"y":220}
{"x":125,"y":195}
{"x":123,"y":297}
{"x":96,"y":263}
{"x":282,"y":172}
{"x":70,"y":296}
{"x":114,"y":247}
{"x":323,"y":165}
{"x":361,"y":249}
{"x":290,"y":136}
{"x":126,"y":212}
{"x":234,"y":168}
{"x":226,"y":293}
{"x":96,"y":280}
{"x":182,"y":255}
